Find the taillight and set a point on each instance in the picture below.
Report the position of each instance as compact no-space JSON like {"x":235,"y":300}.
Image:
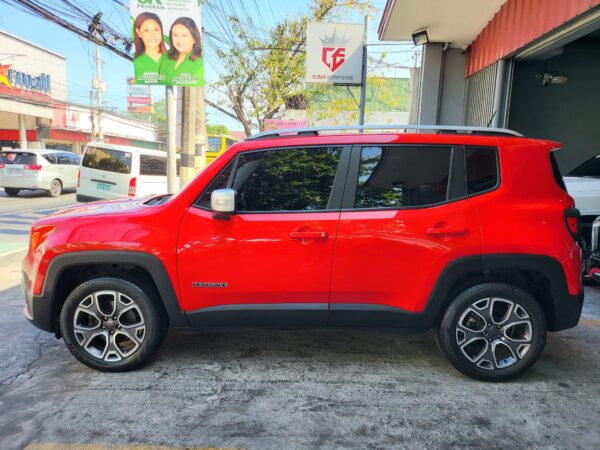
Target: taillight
{"x":78,"y":177}
{"x":33,"y":167}
{"x":132,"y":187}
{"x":573,"y":219}
{"x":1,"y":166}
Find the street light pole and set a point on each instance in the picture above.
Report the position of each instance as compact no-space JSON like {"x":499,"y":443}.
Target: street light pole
{"x":363,"y":85}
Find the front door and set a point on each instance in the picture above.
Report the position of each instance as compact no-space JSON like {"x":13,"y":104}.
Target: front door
{"x":276,"y":252}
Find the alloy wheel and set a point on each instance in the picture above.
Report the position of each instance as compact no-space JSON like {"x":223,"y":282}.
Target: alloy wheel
{"x":109,"y":325}
{"x":494,"y":333}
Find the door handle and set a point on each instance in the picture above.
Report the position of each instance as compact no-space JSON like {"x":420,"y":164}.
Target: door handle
{"x":444,"y":231}
{"x":301,"y":235}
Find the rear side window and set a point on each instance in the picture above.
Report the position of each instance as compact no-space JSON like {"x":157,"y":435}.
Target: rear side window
{"x":482,"y":169}
{"x":106,"y":159}
{"x":16,"y":157}
{"x":153,"y":165}
{"x":64,"y":159}
{"x":395,"y":177}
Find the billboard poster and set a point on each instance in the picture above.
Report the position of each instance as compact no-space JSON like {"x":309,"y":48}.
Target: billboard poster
{"x":135,"y":100}
{"x":274,"y":124}
{"x":334,"y":53}
{"x":167,"y":41}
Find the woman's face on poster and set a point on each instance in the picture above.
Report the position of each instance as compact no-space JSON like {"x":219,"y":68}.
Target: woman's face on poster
{"x":182,"y":39}
{"x":150,"y":34}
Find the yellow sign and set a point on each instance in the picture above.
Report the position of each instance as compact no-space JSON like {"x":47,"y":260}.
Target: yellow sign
{"x":4,"y":75}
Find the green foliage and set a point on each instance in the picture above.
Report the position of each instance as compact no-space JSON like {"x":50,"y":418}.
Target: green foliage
{"x":261,"y":76}
{"x":217,"y":129}
{"x":158,"y":117}
{"x":341,"y":102}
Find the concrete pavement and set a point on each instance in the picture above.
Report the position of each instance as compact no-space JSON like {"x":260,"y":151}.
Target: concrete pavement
{"x":294,"y":389}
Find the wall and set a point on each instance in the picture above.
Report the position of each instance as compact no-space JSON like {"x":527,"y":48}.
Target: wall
{"x":566,"y":113}
{"x":453,"y":88}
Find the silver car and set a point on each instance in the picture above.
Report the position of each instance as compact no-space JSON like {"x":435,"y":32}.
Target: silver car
{"x":51,"y":170}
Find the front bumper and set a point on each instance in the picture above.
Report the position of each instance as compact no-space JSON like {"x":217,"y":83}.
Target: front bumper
{"x":38,"y":309}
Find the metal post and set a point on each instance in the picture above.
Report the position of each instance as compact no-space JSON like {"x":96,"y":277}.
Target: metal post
{"x":99,"y":92}
{"x":22,"y":132}
{"x":92,"y":118}
{"x":201,"y":134}
{"x":189,"y":135}
{"x":363,"y":85}
{"x":171,"y":140}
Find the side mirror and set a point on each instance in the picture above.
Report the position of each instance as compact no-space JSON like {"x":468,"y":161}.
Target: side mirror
{"x":222,"y":202}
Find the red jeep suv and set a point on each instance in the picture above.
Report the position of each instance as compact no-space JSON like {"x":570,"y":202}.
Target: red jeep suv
{"x":467,"y":231}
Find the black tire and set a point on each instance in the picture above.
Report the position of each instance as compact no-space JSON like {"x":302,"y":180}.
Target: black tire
{"x":475,"y":349}
{"x":11,"y":192}
{"x":148,"y":327}
{"x":56,"y":188}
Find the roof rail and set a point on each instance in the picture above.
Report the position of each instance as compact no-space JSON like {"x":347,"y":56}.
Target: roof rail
{"x":316,"y":131}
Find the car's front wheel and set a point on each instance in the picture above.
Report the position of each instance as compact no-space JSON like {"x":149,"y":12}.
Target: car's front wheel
{"x":493,"y":332}
{"x":111,"y":324}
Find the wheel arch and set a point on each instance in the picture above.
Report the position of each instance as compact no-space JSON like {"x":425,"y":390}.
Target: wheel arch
{"x":69,"y":270}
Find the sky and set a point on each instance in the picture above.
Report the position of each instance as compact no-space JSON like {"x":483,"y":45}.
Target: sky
{"x":80,"y":53}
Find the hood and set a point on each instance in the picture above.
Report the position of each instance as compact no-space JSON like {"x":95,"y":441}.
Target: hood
{"x":125,"y":205}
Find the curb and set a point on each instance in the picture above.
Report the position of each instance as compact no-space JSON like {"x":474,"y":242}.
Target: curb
{"x":6,"y":259}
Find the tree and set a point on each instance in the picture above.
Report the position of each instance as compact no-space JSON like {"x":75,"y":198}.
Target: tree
{"x":217,"y":129}
{"x":262,"y":75}
{"x":158,"y":117}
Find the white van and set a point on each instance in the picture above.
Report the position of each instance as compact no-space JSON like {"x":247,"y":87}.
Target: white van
{"x":114,"y":171}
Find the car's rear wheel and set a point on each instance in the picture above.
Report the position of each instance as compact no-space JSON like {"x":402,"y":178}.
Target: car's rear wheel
{"x":11,"y":192}
{"x":112,"y":325}
{"x":493,"y":332}
{"x":55,"y":188}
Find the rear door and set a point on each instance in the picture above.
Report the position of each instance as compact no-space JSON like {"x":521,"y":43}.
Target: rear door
{"x":274,"y":256}
{"x":68,"y":169}
{"x":153,"y":175}
{"x":404,"y":218}
{"x":19,"y":169}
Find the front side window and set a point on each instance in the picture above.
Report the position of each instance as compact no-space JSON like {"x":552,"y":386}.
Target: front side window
{"x":221,"y":181}
{"x":396,"y":177}
{"x":292,"y":179}
{"x":106,"y":159}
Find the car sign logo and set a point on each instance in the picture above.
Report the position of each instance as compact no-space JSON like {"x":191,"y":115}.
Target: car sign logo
{"x":333,"y":54}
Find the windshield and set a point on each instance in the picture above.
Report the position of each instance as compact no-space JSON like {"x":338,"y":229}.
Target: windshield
{"x":16,"y":157}
{"x":107,"y":159}
{"x":590,"y":168}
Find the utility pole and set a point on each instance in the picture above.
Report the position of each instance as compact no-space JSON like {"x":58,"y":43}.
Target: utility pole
{"x":92,"y":119}
{"x":201,"y":134}
{"x":188,"y":131}
{"x":171,"y":140}
{"x":99,"y":89}
{"x":363,"y":85}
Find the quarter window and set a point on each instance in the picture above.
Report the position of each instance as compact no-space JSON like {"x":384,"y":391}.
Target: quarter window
{"x":286,"y":180}
{"x":482,"y":169}
{"x":396,"y":177}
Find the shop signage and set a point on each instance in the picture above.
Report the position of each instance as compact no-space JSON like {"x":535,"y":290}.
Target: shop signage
{"x":167,"y":41}
{"x":139,"y":100}
{"x":40,"y":83}
{"x":334,"y":53}
{"x":274,"y":124}
{"x":140,"y":108}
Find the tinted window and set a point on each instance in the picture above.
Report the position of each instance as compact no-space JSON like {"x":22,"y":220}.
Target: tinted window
{"x":219,"y":182}
{"x":286,"y":180}
{"x":75,"y":160}
{"x":153,"y":165}
{"x":16,"y":157}
{"x":64,"y":159}
{"x":394,"y":177}
{"x":482,"y":169}
{"x":108,"y":160}
{"x":51,"y":158}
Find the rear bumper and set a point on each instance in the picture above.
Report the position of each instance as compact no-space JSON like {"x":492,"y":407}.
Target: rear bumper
{"x":38,"y":309}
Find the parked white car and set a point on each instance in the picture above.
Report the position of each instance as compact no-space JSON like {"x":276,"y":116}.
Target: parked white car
{"x":51,"y":170}
{"x":115,"y":171}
